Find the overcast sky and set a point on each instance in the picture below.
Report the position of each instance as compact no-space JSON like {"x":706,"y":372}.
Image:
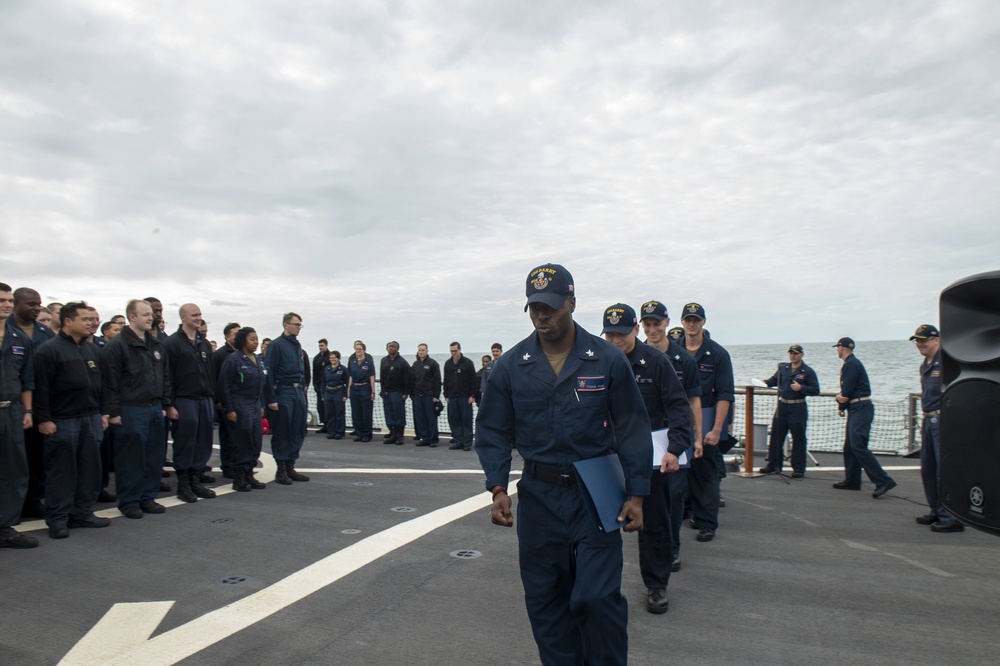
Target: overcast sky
{"x":392,"y":170}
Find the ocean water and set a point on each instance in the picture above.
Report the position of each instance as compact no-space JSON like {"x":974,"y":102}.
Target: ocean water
{"x":892,"y":369}
{"x":892,"y":364}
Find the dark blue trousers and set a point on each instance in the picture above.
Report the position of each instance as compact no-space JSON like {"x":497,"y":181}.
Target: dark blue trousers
{"x":424,"y":419}
{"x":460,"y":420}
{"x":361,"y":413}
{"x":930,"y":467}
{"x":13,"y":464}
{"x":193,"y":433}
{"x":703,"y":480}
{"x":34,"y":450}
{"x":394,"y":409}
{"x":107,"y":456}
{"x":245,"y":436}
{"x":320,"y":409}
{"x":656,"y":547}
{"x":288,"y":430}
{"x":571,"y":575}
{"x":139,"y":453}
{"x":856,"y":454}
{"x":334,"y":411}
{"x":788,"y":418}
{"x":225,"y":448}
{"x":72,"y":469}
{"x":678,"y":497}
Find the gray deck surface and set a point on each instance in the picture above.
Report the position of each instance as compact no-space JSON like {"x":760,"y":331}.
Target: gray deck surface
{"x":798,"y":574}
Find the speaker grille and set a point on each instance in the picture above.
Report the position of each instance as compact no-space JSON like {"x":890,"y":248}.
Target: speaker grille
{"x":970,"y":452}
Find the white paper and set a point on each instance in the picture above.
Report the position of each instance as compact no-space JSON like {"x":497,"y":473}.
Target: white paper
{"x":758,"y":383}
{"x":659,"y":446}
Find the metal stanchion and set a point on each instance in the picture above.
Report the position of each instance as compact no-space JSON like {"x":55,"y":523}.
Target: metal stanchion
{"x":748,"y":428}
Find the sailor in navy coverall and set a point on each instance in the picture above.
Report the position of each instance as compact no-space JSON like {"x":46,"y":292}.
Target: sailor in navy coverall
{"x":137,"y":383}
{"x":795,"y":380}
{"x":334,"y":385}
{"x":192,"y":376}
{"x":855,"y":400}
{"x":667,"y":406}
{"x":17,"y":381}
{"x":563,"y":395}
{"x":243,"y":390}
{"x":27,"y":305}
{"x":655,"y":320}
{"x":67,"y":401}
{"x":928,"y":341}
{"x":715,"y":368}
{"x":396,"y":384}
{"x":288,"y":380}
{"x":426,"y":378}
{"x":361,"y":391}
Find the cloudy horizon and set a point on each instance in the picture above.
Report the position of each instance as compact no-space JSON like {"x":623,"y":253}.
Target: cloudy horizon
{"x":393,"y":170}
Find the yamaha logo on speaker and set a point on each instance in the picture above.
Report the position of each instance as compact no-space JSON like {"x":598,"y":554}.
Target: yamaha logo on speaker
{"x":976,"y":499}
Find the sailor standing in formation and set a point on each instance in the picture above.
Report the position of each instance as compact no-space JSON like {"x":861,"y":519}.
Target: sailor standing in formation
{"x":795,"y":380}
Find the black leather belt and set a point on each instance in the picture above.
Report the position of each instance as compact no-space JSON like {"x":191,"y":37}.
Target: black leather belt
{"x":292,"y":384}
{"x":800,"y":401}
{"x":548,"y":475}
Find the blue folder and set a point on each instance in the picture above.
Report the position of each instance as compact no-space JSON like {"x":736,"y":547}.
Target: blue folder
{"x":708,"y":422}
{"x":602,"y":483}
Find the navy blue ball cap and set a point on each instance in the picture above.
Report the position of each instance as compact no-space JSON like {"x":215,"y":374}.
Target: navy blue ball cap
{"x":796,"y":348}
{"x":693,"y":310}
{"x":676,"y":333}
{"x":925,"y":331}
{"x":619,"y":318}
{"x":845,"y":342}
{"x":654,"y":310}
{"x":550,"y":284}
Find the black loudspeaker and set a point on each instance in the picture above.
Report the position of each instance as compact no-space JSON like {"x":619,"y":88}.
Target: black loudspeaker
{"x":970,"y":406}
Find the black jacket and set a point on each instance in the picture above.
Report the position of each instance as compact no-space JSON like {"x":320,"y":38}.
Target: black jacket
{"x":394,"y":375}
{"x":67,"y":379}
{"x":460,"y":379}
{"x":219,"y":357}
{"x":426,"y":377}
{"x":135,"y":372}
{"x":320,"y":361}
{"x":192,"y":371}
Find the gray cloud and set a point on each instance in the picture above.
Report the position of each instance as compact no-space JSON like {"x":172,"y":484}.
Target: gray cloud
{"x":801,"y":169}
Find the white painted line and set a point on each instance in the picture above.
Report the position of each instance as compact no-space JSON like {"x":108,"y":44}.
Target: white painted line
{"x":926,"y":567}
{"x":117,"y":639}
{"x":265,"y":475}
{"x":888,"y":468}
{"x":368,"y":470}
{"x":920,"y":565}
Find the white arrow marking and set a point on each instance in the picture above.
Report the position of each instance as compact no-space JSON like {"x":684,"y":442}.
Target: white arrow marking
{"x":122,"y":635}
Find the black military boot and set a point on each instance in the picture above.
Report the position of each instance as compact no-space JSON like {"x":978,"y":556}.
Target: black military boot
{"x":253,"y":482}
{"x":391,"y":437}
{"x":184,"y":492}
{"x":240,"y":480}
{"x":292,"y":474}
{"x":400,"y":435}
{"x":282,"y":476}
{"x":194,"y":477}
